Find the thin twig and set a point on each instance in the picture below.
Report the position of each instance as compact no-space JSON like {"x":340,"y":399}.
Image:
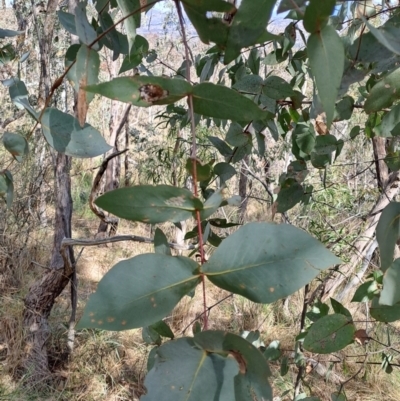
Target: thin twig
{"x":193,"y":156}
{"x":96,"y":182}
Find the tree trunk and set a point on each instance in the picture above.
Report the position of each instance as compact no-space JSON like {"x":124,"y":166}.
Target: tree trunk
{"x":42,"y":294}
{"x":366,"y":238}
{"x":382,"y":171}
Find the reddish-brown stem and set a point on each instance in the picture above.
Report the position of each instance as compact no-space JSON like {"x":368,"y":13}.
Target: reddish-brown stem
{"x":193,"y":157}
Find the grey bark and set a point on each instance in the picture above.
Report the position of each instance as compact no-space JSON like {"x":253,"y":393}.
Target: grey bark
{"x":43,"y":293}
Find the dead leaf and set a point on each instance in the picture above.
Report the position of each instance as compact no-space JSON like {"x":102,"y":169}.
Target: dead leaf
{"x":361,"y":337}
{"x":320,"y":126}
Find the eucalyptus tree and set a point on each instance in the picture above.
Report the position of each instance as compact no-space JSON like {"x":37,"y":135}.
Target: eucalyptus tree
{"x":337,"y":46}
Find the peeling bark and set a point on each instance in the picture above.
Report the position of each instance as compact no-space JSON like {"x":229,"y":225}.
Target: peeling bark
{"x":366,"y":238}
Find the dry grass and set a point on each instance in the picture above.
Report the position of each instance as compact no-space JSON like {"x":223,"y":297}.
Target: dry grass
{"x":112,"y":365}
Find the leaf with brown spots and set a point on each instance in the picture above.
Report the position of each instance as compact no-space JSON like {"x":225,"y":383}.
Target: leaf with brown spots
{"x":266,"y":262}
{"x":329,"y":334}
{"x":137,"y":292}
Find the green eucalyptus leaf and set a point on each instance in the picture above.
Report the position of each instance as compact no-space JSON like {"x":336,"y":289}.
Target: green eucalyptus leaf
{"x":384,"y":93}
{"x":344,"y":109}
{"x":86,"y":72}
{"x":19,"y":96}
{"x":387,"y":35}
{"x":384,"y":313}
{"x":224,"y":171}
{"x":287,"y":5}
{"x":221,"y":146}
{"x":252,"y":379}
{"x":67,"y":20}
{"x":387,"y":233}
{"x":254,"y":61}
{"x":138,"y":292}
{"x":249,"y":84}
{"x":203,"y":171}
{"x":235,"y":135}
{"x":150,"y":204}
{"x":16,"y":144}
{"x":8,"y":33}
{"x":390,"y":294}
{"x":84,"y":30}
{"x":390,"y":125}
{"x":290,"y":194}
{"x":366,"y":291}
{"x":355,"y":131}
{"x":132,"y":22}
{"x":143,"y":91}
{"x":329,"y":334}
{"x":339,"y":308}
{"x":63,"y":133}
{"x":326,"y":54}
{"x":7,"y":54}
{"x":336,"y":396}
{"x":277,"y":88}
{"x":183,"y":371}
{"x":161,"y":245}
{"x":150,"y":336}
{"x":212,"y":204}
{"x":245,"y":29}
{"x":273,"y":352}
{"x":266,"y":262}
{"x":221,"y":102}
{"x":112,"y":38}
{"x":210,"y":29}
{"x":163,"y":329}
{"x":317,"y":15}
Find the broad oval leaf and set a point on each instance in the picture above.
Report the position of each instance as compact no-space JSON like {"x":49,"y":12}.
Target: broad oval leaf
{"x":329,"y":334}
{"x":209,"y":29}
{"x":150,"y":204}
{"x":265,"y":262}
{"x":384,"y":93}
{"x":390,"y":125}
{"x":277,"y":88}
{"x":390,"y":294}
{"x":225,"y":171}
{"x":248,"y":25}
{"x":63,"y":133}
{"x":221,"y":102}
{"x":317,"y":14}
{"x":212,"y":365}
{"x":142,"y":90}
{"x":384,"y":313}
{"x":183,"y":371}
{"x":16,"y":144}
{"x":139,"y":291}
{"x":387,"y":233}
{"x":252,"y":379}
{"x":326,"y":53}
{"x":290,"y":194}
